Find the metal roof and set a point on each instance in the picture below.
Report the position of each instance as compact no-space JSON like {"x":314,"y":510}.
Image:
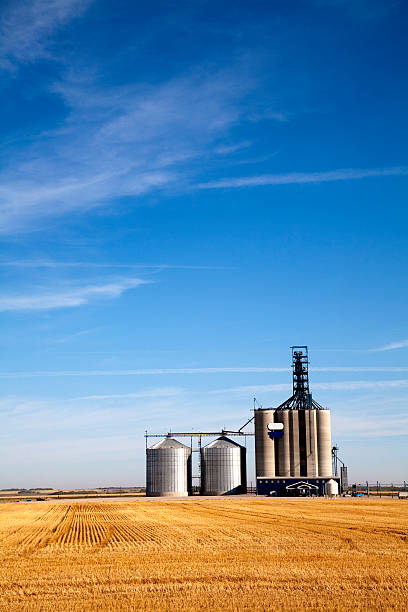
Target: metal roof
{"x":168,"y":443}
{"x":223,"y":442}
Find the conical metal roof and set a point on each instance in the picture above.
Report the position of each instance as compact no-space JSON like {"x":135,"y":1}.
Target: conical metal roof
{"x":169,"y":443}
{"x":223,"y":442}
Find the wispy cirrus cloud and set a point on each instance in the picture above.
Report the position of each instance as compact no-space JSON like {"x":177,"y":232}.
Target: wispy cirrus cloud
{"x":27,"y":26}
{"x":76,"y":335}
{"x":53,"y":264}
{"x":360,"y":369}
{"x":67,"y":298}
{"x":294,"y":178}
{"x":390,"y":347}
{"x":148,"y":393}
{"x":140,"y":372}
{"x":204,"y":370}
{"x":232,"y":148}
{"x":120,"y":142}
{"x":352,"y":385}
{"x":354,"y":426}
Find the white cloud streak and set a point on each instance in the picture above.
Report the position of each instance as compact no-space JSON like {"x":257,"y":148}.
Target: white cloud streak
{"x":149,"y":393}
{"x":390,"y":347}
{"x":352,"y":385}
{"x":76,"y":335}
{"x":27,"y":26}
{"x":122,"y":142}
{"x":140,"y":372}
{"x":357,"y":385}
{"x":176,"y":371}
{"x":360,"y":369}
{"x":67,"y":298}
{"x":226,"y":149}
{"x":42,"y":263}
{"x":353,"y":427}
{"x":297,"y":178}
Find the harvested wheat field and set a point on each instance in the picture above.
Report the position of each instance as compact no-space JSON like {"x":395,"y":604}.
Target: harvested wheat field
{"x":241,"y":554}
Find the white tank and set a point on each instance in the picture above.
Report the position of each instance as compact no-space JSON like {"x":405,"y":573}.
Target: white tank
{"x":223,"y":468}
{"x":331,"y":488}
{"x":168,"y":469}
{"x":264,"y":445}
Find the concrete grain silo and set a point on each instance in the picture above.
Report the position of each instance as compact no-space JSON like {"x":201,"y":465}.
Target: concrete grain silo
{"x":283,"y":443}
{"x":223,"y":468}
{"x":264,"y":446}
{"x":324,"y":444}
{"x":311,"y":443}
{"x":294,"y":442}
{"x":168,"y":469}
{"x":296,"y":448}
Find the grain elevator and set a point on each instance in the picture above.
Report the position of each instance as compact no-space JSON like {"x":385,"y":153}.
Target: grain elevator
{"x":293,"y":451}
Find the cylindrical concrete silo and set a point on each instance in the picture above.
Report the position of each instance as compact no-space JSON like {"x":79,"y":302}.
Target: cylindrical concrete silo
{"x":168,"y":469}
{"x":283,"y":443}
{"x":264,"y":445}
{"x":311,"y":443}
{"x":324,"y":443}
{"x":223,"y":468}
{"x":294,"y":443}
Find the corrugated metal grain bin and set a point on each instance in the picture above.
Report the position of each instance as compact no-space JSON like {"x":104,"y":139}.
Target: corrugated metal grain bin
{"x":168,"y":469}
{"x":223,"y":468}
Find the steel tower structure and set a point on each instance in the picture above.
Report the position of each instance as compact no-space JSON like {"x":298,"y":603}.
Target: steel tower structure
{"x":301,"y":398}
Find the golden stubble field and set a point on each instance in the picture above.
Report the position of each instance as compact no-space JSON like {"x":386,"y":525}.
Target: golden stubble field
{"x":208,"y":554}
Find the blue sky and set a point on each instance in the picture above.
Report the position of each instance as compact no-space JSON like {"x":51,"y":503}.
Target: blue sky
{"x":186,"y":190}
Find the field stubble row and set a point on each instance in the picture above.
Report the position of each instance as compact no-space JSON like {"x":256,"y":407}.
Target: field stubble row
{"x":205,"y":554}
